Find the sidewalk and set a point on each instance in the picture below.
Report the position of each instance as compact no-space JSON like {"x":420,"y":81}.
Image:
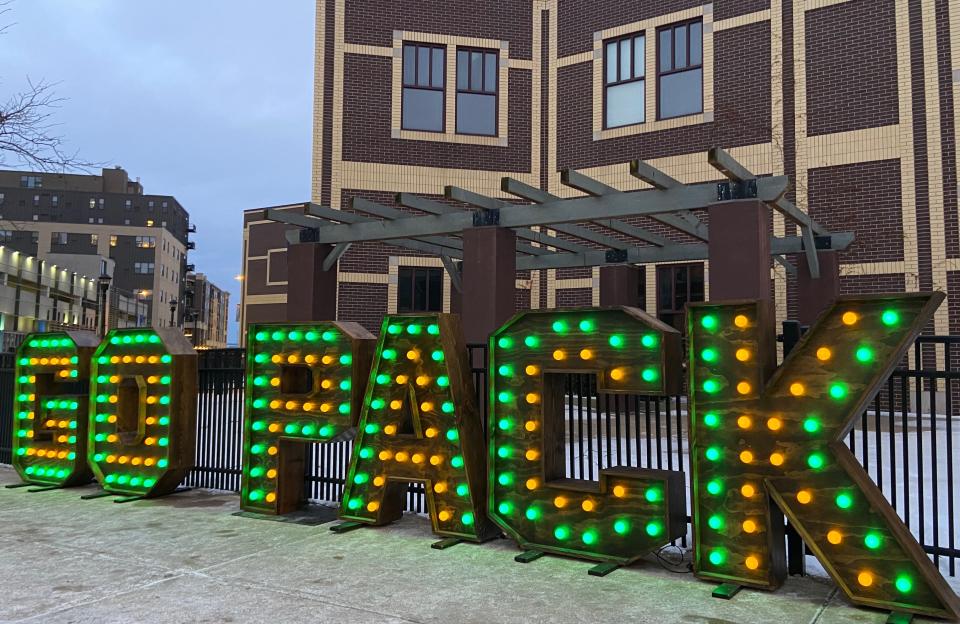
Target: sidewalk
{"x":187,"y":559}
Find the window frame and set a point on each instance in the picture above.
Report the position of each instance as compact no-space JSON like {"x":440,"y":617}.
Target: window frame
{"x":632,"y":37}
{"x":413,"y":270}
{"x":416,"y":45}
{"x":689,"y":267}
{"x":483,"y":79}
{"x":660,"y":73}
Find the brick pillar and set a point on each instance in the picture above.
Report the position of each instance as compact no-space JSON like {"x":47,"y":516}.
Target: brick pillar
{"x":489,"y":280}
{"x":815,"y":295}
{"x":740,"y":263}
{"x":311,"y":291}
{"x":620,"y":286}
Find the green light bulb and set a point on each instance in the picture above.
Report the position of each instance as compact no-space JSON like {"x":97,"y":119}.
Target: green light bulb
{"x":816,"y":461}
{"x":811,"y":425}
{"x":345,"y":384}
{"x":904,"y":584}
{"x":354,"y":504}
{"x":715,"y":487}
{"x":562,"y":533}
{"x":710,"y":355}
{"x":383,"y":379}
{"x":717,"y":557}
{"x":873,"y":541}
{"x":371,"y":428}
{"x":505,"y":371}
{"x":504,"y":452}
{"x":360,"y":478}
{"x":290,"y":429}
{"x":532,"y":514}
{"x":649,"y":341}
{"x":844,"y":501}
{"x":437,"y":356}
{"x":295,"y":336}
{"x":377,"y":404}
{"x":452,"y":435}
{"x":326,"y":431}
{"x":712,"y":454}
{"x":715,"y":522}
{"x":711,"y":386}
{"x":389,"y":354}
{"x":890,"y":318}
{"x":505,"y":342}
{"x":560,"y":327}
{"x":505,"y":508}
{"x":414,"y":330}
{"x":587,"y":325}
{"x":434,"y":330}
{"x":462,"y":489}
{"x":311,"y":336}
{"x":259,"y":358}
{"x":621,"y":526}
{"x":650,"y":375}
{"x":504,"y":424}
{"x":457,"y":461}
{"x":394,"y":329}
{"x":654,"y":529}
{"x":505,"y":479}
{"x":257,"y":472}
{"x":864,"y":354}
{"x":346,"y":359}
{"x":255,"y":495}
{"x":277,"y":336}
{"x":711,"y":420}
{"x":532,"y":342}
{"x":590,"y":537}
{"x":838,"y":391}
{"x":504,"y":397}
{"x":467,"y":518}
{"x":653,"y":495}
{"x":443,"y":381}
{"x":166,"y":359}
{"x":710,"y":322}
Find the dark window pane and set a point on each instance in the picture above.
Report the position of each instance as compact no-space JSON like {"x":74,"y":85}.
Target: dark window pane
{"x":476,"y":114}
{"x":420,"y":290}
{"x":681,"y":93}
{"x":463,"y":70}
{"x":476,"y":71}
{"x":666,"y":50}
{"x":625,"y":104}
{"x":490,"y":73}
{"x":409,"y":65}
{"x":435,"y":291}
{"x":680,"y":286}
{"x":664,"y":288}
{"x":436,"y":77}
{"x":680,"y":46}
{"x":696,"y":283}
{"x":423,"y":67}
{"x":612,"y":62}
{"x":422,"y":110}
{"x":639,"y":57}
{"x":696,"y":43}
{"x":625,"y":58}
{"x":405,"y":291}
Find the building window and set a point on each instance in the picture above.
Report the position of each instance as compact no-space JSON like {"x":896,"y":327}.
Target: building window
{"x":163,"y":205}
{"x":624,"y":80}
{"x":680,"y":70}
{"x":29,"y":181}
{"x":36,"y":200}
{"x":55,"y":200}
{"x":6,"y":236}
{"x":93,"y":203}
{"x":100,"y":203}
{"x":677,"y":285}
{"x":128,"y":205}
{"x":149,"y":222}
{"x":146,"y":242}
{"x":34,"y":237}
{"x":477,"y":80}
{"x":94,"y":240}
{"x":113,"y":240}
{"x":143,"y":268}
{"x":423,"y":87}
{"x":2,"y":198}
{"x":59,"y":238}
{"x":420,"y":289}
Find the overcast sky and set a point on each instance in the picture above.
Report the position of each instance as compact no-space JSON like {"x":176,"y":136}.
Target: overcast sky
{"x":206,"y":100}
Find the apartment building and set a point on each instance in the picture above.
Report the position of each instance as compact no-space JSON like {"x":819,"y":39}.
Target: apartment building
{"x":206,"y":312}
{"x":106,"y":216}
{"x":855,"y":100}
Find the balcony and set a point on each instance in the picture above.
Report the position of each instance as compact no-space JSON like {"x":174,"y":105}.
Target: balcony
{"x":192,"y":228}
{"x":191,"y":245}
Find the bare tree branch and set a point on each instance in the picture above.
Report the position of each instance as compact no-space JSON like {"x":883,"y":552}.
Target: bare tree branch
{"x":28,"y":134}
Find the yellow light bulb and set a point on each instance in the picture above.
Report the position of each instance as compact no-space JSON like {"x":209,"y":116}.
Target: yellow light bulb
{"x":618,"y":374}
{"x":741,"y":321}
{"x":751,"y":562}
{"x":834,"y":537}
{"x":532,"y":484}
{"x":272,"y":496}
{"x":440,"y":487}
{"x":423,"y":380}
{"x":385,"y":455}
{"x":619,"y":491}
{"x":326,"y":384}
{"x":271,"y":474}
{"x":744,"y":422}
{"x":310,"y":359}
{"x":293,"y":359}
{"x":390,"y":429}
{"x":275,"y":382}
{"x":292,"y":405}
{"x":560,"y":502}
{"x":774,"y":424}
{"x":797,"y":389}
{"x":865,"y":579}
{"x":402,"y":379}
{"x":532,"y":455}
{"x":532,"y":370}
{"x":530,"y":425}
{"x":275,"y":404}
{"x":533,"y":398}
{"x":559,"y":355}
{"x":746,"y":457}
{"x":586,"y":354}
{"x":418,"y":458}
{"x":272,"y":450}
{"x":426,"y":406}
{"x":804,"y":497}
{"x":824,"y":354}
{"x":850,"y":318}
{"x":136,"y":461}
{"x":379,"y":480}
{"x":277,"y":359}
{"x":748,"y":490}
{"x":431,"y":432}
{"x":777,"y":459}
{"x":436,"y":460}
{"x":402,"y":456}
{"x":372,"y":506}
{"x":325,"y":407}
{"x":744,"y":387}
{"x":742,"y":355}
{"x":327,"y":359}
{"x":444,"y":515}
{"x":127,"y":359}
{"x":308,"y":406}
{"x":588,"y":505}
{"x":749,"y":526}
{"x":413,"y":355}
{"x":396,"y":404}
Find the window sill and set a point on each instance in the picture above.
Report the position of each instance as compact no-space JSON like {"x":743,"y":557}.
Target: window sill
{"x":654,"y":126}
{"x":449,"y":137}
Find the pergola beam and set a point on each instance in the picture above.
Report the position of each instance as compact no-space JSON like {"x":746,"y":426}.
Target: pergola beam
{"x":643,"y":203}
{"x":451,"y":268}
{"x":722,"y":161}
{"x":673,"y":253}
{"x":335,"y":254}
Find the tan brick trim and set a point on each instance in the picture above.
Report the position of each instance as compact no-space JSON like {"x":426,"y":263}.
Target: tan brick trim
{"x":426,"y":180}
{"x":318,"y":92}
{"x":266,"y":299}
{"x":367,"y":50}
{"x":742,"y":20}
{"x":873,"y":268}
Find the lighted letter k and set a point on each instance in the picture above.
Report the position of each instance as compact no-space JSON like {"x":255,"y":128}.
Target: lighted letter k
{"x":759,"y":448}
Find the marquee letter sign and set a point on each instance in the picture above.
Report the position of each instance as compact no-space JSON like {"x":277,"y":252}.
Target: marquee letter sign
{"x":631,"y":511}
{"x":143,"y":411}
{"x":784,"y":439}
{"x":305,"y":383}
{"x":50,"y":431}
{"x":420,"y":423}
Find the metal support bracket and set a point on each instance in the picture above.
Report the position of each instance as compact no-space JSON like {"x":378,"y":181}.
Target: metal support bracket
{"x":486,"y":217}
{"x":726,"y":591}
{"x":603,"y":569}
{"x":729,"y":191}
{"x":334,"y":256}
{"x":454,"y":272}
{"x":309,"y":235}
{"x":529,"y":555}
{"x":615,"y":256}
{"x":446,"y":543}
{"x":346,"y":527}
{"x":14,"y":486}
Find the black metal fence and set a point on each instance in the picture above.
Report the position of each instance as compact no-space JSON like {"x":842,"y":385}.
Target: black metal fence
{"x":906,"y":441}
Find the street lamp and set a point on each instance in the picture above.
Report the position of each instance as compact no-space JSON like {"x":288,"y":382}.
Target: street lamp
{"x":103,"y":286}
{"x":173,"y":311}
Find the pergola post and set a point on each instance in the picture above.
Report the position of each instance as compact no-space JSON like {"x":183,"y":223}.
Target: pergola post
{"x":489,"y":280}
{"x":815,"y":295}
{"x":311,"y":291}
{"x":739,"y":254}
{"x":619,"y":286}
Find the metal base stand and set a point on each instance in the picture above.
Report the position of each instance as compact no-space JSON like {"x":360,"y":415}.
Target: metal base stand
{"x":446,"y":543}
{"x":14,"y":486}
{"x":726,"y":591}
{"x":603,"y":569}
{"x":529,"y":555}
{"x":346,"y":527}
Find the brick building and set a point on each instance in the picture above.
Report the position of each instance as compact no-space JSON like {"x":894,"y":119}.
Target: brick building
{"x":206,"y":312}
{"x":86,"y":218}
{"x":855,"y":100}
